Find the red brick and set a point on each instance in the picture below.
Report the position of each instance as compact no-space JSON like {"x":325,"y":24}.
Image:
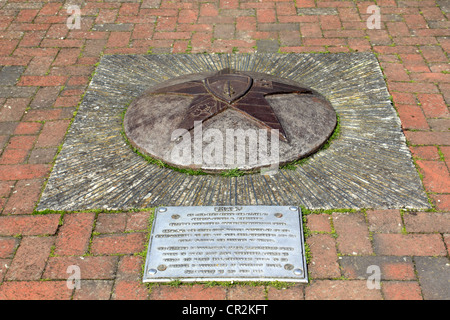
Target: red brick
{"x":8,"y":246}
{"x":415,"y":21}
{"x":6,"y":188}
{"x":44,"y":114}
{"x":130,"y":290}
{"x":69,"y":101}
{"x":428,"y":138}
{"x":436,"y":177}
{"x":425,"y":152}
{"x":101,"y":267}
{"x":180,"y":46}
{"x":398,"y":29}
{"x":29,"y":26}
{"x":353,"y":234}
{"x":23,"y":171}
{"x":341,"y":290}
{"x":412,"y":117}
{"x":319,"y":222}
{"x":110,"y":222}
{"x":286,"y":8}
{"x":245,"y":23}
{"x":430,"y":77}
{"x":126,"y":243}
{"x":433,"y":105}
{"x":403,"y":98}
{"x":129,"y":9}
{"x":441,"y":201}
{"x":409,"y":244}
{"x":229,"y":4}
{"x":62,"y":43}
{"x":166,"y":24}
{"x":433,"y":54}
{"x":427,"y":222}
{"x":21,"y":142}
{"x":384,"y":221}
{"x":401,"y":290}
{"x":13,"y":109}
{"x":447,"y":241}
{"x":4,"y":265}
{"x":296,"y":19}
{"x":446,"y":152}
{"x":305,"y":3}
{"x":57,"y":31}
{"x":50,"y":9}
{"x":119,"y":39}
{"x":14,"y":156}
{"x":35,"y":290}
{"x":196,"y":292}
{"x":324,"y":256}
{"x":30,"y":258}
{"x":242,"y":292}
{"x":188,"y":16}
{"x":52,"y":134}
{"x":7,"y":46}
{"x":26,"y":15}
{"x":324,"y":42}
{"x":24,"y":197}
{"x":74,"y":235}
{"x":29,"y":225}
{"x":310,"y":30}
{"x":67,"y":56}
{"x":288,"y":293}
{"x":412,"y":87}
{"x":42,"y":81}
{"x":330,"y":22}
{"x":94,"y":290}
{"x":395,"y":71}
{"x":130,"y":268}
{"x":208,"y":10}
{"x":138,"y":221}
{"x":266,"y":15}
{"x":32,"y":39}
{"x":28,"y":128}
{"x":106,"y":16}
{"x":172,"y":35}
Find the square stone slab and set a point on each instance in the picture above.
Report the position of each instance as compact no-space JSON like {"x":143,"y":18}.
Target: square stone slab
{"x":367,"y":166}
{"x":225,"y":243}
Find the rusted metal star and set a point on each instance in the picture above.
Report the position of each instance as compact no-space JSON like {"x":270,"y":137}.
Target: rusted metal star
{"x":231,"y":89}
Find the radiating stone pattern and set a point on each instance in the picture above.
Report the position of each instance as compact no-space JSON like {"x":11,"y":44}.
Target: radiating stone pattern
{"x":368,"y":166}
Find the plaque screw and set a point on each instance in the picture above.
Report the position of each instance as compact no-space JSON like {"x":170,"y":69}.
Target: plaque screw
{"x":288,"y":266}
{"x":162,"y":267}
{"x":175,"y":216}
{"x":278,"y":215}
{"x":152,"y":271}
{"x":162,"y":209}
{"x":298,"y":272}
{"x":293,"y":208}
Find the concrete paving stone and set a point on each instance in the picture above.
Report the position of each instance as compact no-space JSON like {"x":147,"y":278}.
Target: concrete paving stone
{"x":434,"y":277}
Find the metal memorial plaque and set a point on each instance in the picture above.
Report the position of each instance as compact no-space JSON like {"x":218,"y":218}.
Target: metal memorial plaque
{"x":226,"y":243}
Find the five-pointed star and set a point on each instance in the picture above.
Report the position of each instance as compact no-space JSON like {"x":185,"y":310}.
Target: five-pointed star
{"x":231,"y":89}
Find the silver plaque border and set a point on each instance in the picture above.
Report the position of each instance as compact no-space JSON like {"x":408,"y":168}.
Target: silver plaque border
{"x":180,"y":209}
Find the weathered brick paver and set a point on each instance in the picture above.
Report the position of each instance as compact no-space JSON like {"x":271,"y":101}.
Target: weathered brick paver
{"x":45,"y":68}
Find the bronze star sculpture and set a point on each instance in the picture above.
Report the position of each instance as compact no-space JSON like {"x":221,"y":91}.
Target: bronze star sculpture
{"x":231,"y":89}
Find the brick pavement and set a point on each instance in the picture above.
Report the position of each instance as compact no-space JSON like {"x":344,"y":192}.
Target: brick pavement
{"x":46,"y":68}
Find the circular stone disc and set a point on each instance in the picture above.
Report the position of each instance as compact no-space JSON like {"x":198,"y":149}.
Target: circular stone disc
{"x":159,"y":123}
